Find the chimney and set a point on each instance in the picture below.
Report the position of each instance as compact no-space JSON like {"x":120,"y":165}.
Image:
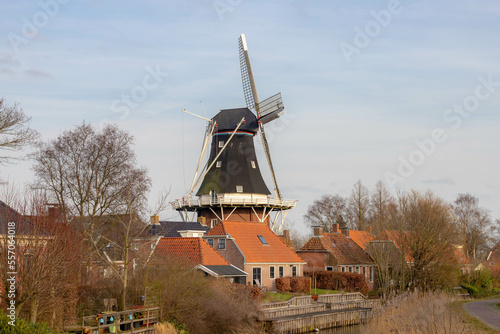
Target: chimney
{"x":202,"y":220}
{"x":155,"y":220}
{"x":286,"y":234}
{"x":335,"y":228}
{"x":345,"y":231}
{"x":318,"y":231}
{"x":54,"y":211}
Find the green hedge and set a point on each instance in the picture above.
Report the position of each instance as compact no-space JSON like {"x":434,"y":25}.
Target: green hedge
{"x":22,"y":327}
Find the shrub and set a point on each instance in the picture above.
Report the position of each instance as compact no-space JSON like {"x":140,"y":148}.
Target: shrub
{"x":300,"y":284}
{"x":334,"y":280}
{"x":22,"y":327}
{"x":164,"y":328}
{"x":282,"y":284}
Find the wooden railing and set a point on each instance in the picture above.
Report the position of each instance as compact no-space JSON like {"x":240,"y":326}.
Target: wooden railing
{"x":129,"y":321}
{"x":307,"y":300}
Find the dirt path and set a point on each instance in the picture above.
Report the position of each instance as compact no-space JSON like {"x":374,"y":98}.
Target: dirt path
{"x":485,"y":311}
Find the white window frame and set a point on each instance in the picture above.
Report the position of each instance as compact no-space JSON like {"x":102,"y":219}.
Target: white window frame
{"x":221,"y":244}
{"x":294,"y":271}
{"x":254,"y":165}
{"x":221,"y":143}
{"x":331,"y":268}
{"x":218,"y":164}
{"x":210,"y":242}
{"x":213,"y":222}
{"x":239,"y":189}
{"x":272,"y":272}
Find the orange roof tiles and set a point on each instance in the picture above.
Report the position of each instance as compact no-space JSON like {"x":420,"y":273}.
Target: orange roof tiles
{"x":193,"y":250}
{"x":246,"y":236}
{"x":362,"y":238}
{"x":345,"y":250}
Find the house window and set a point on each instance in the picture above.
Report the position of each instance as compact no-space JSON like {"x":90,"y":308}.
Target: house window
{"x":329,"y":268}
{"x":214,"y":222}
{"x":294,"y":271}
{"x":222,"y":243}
{"x":213,"y":195}
{"x":257,"y":275}
{"x":371,"y":274}
{"x":271,"y":272}
{"x":221,"y":143}
{"x":357,"y":270}
{"x":364,"y":271}
{"x":210,"y":242}
{"x":239,"y":189}
{"x":253,"y":164}
{"x":343,"y":269}
{"x":264,"y":242}
{"x":280,"y":271}
{"x":218,"y":164}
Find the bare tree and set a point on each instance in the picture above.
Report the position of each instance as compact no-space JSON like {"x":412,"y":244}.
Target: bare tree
{"x":428,"y":238}
{"x":381,"y":203}
{"x":358,"y":206}
{"x":473,"y":222}
{"x":48,"y":259}
{"x":93,"y":176}
{"x":328,"y":210}
{"x":15,"y":132}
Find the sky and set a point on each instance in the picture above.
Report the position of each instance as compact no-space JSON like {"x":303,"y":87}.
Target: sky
{"x":407,"y":92}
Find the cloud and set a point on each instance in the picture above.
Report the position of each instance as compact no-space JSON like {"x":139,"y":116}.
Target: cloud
{"x":444,"y":180}
{"x":6,"y":71}
{"x":7,"y":59}
{"x":38,"y":74}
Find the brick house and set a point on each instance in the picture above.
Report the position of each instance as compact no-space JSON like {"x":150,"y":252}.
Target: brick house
{"x":195,"y":252}
{"x":337,"y":252}
{"x":255,"y":249}
{"x":493,"y":260}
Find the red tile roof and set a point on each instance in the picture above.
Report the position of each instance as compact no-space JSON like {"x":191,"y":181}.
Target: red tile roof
{"x":193,"y":250}
{"x":246,"y":236}
{"x":345,"y":250}
{"x":362,"y":238}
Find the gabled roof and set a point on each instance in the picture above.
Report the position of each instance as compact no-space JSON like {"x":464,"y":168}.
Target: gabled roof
{"x":170,"y":229}
{"x":192,"y":250}
{"x":396,"y":238}
{"x":345,"y":250}
{"x":362,"y":238}
{"x":246,"y":236}
{"x":7,"y":214}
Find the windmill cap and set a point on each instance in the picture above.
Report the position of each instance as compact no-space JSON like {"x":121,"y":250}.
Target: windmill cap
{"x":228,"y":120}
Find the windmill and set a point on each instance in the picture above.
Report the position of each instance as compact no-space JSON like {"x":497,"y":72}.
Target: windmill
{"x":230,"y":185}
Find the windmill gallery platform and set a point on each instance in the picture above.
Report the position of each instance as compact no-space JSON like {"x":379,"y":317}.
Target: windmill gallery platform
{"x":303,"y":314}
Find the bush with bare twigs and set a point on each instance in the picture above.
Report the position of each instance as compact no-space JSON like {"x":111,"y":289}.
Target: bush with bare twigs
{"x":419,"y":313}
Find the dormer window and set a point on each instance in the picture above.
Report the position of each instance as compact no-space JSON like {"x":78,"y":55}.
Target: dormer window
{"x":264,"y":242}
{"x":218,"y":164}
{"x":221,"y":143}
{"x":239,"y":189}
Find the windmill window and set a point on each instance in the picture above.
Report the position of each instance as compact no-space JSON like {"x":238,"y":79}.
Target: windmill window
{"x":218,"y":164}
{"x":264,"y":242}
{"x":253,"y":164}
{"x":214,"y":222}
{"x":221,"y":143}
{"x":239,"y":189}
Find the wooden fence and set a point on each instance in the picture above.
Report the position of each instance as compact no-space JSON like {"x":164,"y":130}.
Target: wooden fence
{"x":130,"y":321}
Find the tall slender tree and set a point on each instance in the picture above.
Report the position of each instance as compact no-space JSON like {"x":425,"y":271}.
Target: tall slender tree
{"x":92,"y":174}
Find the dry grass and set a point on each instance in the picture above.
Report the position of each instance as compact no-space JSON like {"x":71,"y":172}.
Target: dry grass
{"x":164,"y":328}
{"x":419,"y":313}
